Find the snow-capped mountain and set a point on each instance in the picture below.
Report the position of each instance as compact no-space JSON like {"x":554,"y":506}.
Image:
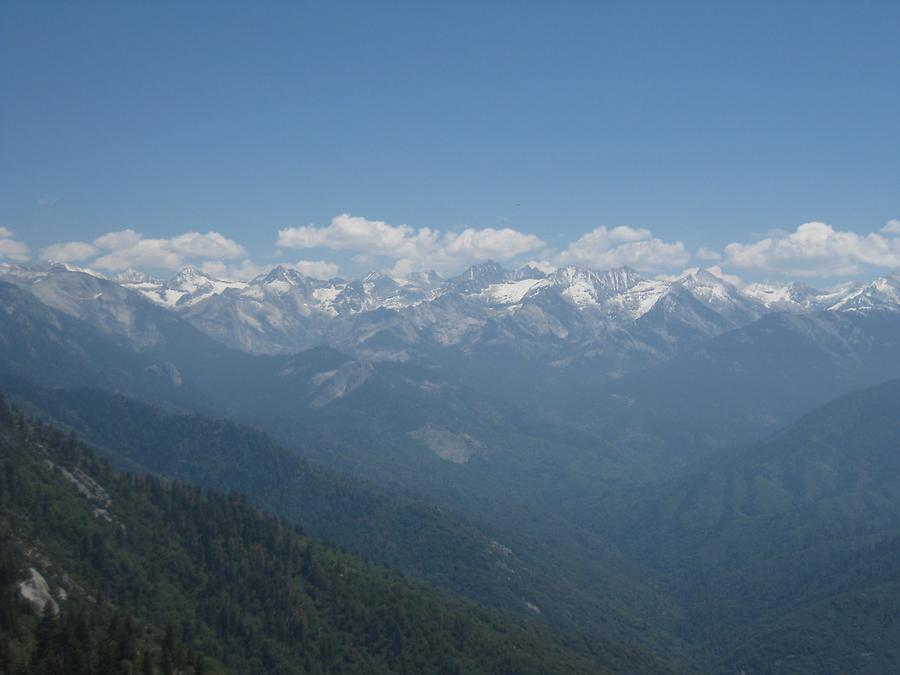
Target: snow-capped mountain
{"x":586,"y":288}
{"x":478,"y":277}
{"x":798,"y":297}
{"x":617,"y":317}
{"x":721,"y":296}
{"x":283,"y":311}
{"x":186,"y":288}
{"x":881,"y":294}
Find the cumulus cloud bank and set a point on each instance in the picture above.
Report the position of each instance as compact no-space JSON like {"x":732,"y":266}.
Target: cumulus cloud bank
{"x":10,"y":248}
{"x":70,"y":251}
{"x":813,"y":249}
{"x":605,"y":248}
{"x":124,"y":249}
{"x":129,"y":249}
{"x":411,"y":249}
{"x":818,"y":250}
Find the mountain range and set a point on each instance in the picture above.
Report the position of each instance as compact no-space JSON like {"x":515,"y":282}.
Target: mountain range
{"x":572,"y":446}
{"x":617,"y":321}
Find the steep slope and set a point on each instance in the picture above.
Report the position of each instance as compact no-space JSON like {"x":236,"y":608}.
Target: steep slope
{"x":425,"y":541}
{"x":722,"y":297}
{"x":106,"y":305}
{"x":278,"y":313}
{"x":51,"y":347}
{"x":235,"y":584}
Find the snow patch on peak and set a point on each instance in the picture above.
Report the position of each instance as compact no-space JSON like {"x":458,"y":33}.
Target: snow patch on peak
{"x":707,"y":286}
{"x":583,"y":287}
{"x":881,"y":294}
{"x":188,"y":287}
{"x":797,"y":297}
{"x":643,"y":296}
{"x":511,"y":292}
{"x":620,"y":279}
{"x":189,"y":274}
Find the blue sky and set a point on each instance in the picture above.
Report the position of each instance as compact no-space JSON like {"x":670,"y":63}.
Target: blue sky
{"x":509,"y":130}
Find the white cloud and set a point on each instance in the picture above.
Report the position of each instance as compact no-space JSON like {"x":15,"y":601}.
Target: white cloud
{"x":813,"y":249}
{"x":116,"y":241}
{"x":544,"y":266}
{"x":732,"y":279}
{"x":317,"y":269}
{"x":10,"y":248}
{"x":354,"y":233}
{"x":605,"y":248}
{"x":502,"y":244}
{"x":817,"y":250}
{"x":70,"y":251}
{"x":411,"y":249}
{"x":209,"y":245}
{"x":708,"y":254}
{"x":242,"y":271}
{"x":128,"y":248}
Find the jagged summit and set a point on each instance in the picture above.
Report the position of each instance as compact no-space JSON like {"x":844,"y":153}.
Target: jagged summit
{"x":881,"y":294}
{"x":189,"y":277}
{"x":483,"y":270}
{"x":478,"y":277}
{"x":527,"y":272}
{"x":187,"y":287}
{"x":385,"y":317}
{"x":56,"y":265}
{"x":621,"y":279}
{"x":281,"y":275}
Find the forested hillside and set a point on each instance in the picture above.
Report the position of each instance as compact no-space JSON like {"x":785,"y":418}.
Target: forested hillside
{"x":139,"y":574}
{"x":496,"y":567}
{"x":784,"y":551}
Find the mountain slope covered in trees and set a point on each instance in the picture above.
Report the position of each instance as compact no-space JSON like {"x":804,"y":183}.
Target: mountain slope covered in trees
{"x":786,"y":550}
{"x":136,"y":572}
{"x":497,"y":567}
